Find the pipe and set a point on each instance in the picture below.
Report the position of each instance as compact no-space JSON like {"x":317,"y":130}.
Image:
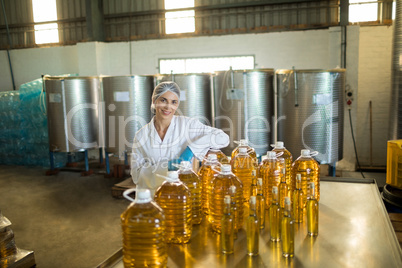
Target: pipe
{"x":9,"y":42}
{"x":296,"y":87}
{"x":371,"y":134}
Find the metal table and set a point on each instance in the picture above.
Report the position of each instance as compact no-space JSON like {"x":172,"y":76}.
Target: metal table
{"x":354,"y":231}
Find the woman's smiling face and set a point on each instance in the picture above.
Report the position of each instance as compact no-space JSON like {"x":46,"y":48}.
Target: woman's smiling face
{"x":166,"y":105}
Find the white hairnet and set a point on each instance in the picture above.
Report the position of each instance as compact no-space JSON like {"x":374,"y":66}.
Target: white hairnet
{"x":161,"y":89}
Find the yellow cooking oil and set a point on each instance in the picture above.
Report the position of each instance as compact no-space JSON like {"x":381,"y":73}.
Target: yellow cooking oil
{"x":220,"y":187}
{"x":312,"y":212}
{"x":235,"y":211}
{"x":227,"y":223}
{"x":250,"y":150}
{"x":175,"y":200}
{"x":243,"y":167}
{"x":269,"y":171}
{"x":144,"y":232}
{"x":283,"y":188}
{"x":288,"y":160}
{"x":193,"y":182}
{"x":288,"y":231}
{"x":275,"y":216}
{"x":309,"y":169}
{"x":260,"y":203}
{"x":298,"y":199}
{"x":222,"y":158}
{"x":206,"y":173}
{"x":252,"y":228}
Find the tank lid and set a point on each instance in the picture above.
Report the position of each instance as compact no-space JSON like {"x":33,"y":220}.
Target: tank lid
{"x":274,"y":189}
{"x":226,"y":168}
{"x":287,"y":200}
{"x":185,"y":165}
{"x":242,"y":150}
{"x":172,"y":176}
{"x":279,"y":145}
{"x":259,"y":181}
{"x":243,"y":142}
{"x":298,"y":177}
{"x":253,"y":200}
{"x":212,"y":157}
{"x":232,"y":189}
{"x":143,"y":196}
{"x":227,"y":199}
{"x":305,"y":152}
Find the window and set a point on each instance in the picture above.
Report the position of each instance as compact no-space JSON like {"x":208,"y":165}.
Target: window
{"x":179,"y":21}
{"x":205,"y":65}
{"x":360,"y":11}
{"x":45,"y":10}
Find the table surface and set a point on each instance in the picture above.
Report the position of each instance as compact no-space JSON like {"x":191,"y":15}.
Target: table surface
{"x":354,"y":231}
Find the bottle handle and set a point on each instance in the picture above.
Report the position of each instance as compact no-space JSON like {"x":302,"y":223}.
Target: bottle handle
{"x":279,"y":154}
{"x":217,"y":171}
{"x":126,"y":194}
{"x":313,"y":153}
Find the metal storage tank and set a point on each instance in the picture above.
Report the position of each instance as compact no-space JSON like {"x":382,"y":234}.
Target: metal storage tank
{"x":195,"y":96}
{"x":244,"y":107}
{"x":310,"y":112}
{"x":127,"y":109}
{"x":72,"y":112}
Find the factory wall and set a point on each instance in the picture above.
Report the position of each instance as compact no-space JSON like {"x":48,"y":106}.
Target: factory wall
{"x":368,"y":67}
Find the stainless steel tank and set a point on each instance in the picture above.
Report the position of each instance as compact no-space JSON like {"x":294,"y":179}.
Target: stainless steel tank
{"x":72,"y":112}
{"x":195,"y":96}
{"x":127,"y":109}
{"x":310,"y":112}
{"x":244,"y":107}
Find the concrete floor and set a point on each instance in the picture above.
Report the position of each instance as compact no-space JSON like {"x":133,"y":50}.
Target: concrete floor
{"x":69,"y":220}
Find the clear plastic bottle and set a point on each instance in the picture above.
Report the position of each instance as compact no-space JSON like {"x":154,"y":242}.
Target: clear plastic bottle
{"x":235,"y":212}
{"x":275,"y":216}
{"x":192,"y":181}
{"x":260,"y":203}
{"x":283,"y":189}
{"x":222,"y":158}
{"x":227,"y":222}
{"x":220,"y":187}
{"x":253,"y":228}
{"x":298,"y":199}
{"x":309,"y":169}
{"x":288,"y":231}
{"x":175,"y":200}
{"x":206,"y":173}
{"x":269,"y":171}
{"x":144,"y":232}
{"x":312,"y":212}
{"x":288,"y":160}
{"x":250,"y":150}
{"x":243,"y":167}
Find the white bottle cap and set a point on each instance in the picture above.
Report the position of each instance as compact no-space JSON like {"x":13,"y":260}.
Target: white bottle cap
{"x":253,"y":200}
{"x":226,"y":200}
{"x":271,"y":155}
{"x":279,"y":145}
{"x":287,"y":200}
{"x":212,"y":157}
{"x":185,"y":165}
{"x":259,"y":181}
{"x":274,"y":189}
{"x":243,"y":142}
{"x":172,"y":176}
{"x":226,"y":168}
{"x":143,"y":196}
{"x":283,"y":170}
{"x":242,"y":150}
{"x":232,"y":189}
{"x":312,"y":185}
{"x":298,"y":177}
{"x":305,"y":152}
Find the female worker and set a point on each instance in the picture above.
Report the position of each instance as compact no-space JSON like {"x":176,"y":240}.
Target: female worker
{"x":168,"y":139}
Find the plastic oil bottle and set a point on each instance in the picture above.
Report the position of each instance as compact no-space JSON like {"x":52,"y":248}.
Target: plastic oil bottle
{"x":312,"y":212}
{"x":192,"y":181}
{"x":220,"y":187}
{"x":227,"y":223}
{"x":243,"y":143}
{"x":283,"y":189}
{"x":235,"y":211}
{"x":260,"y":204}
{"x":206,"y":174}
{"x":175,"y":200}
{"x":243,"y":167}
{"x":275,"y":216}
{"x":253,"y":228}
{"x":269,"y":171}
{"x":144,"y":231}
{"x":309,"y":169}
{"x":288,"y":160}
{"x":288,"y":231}
{"x":222,"y":158}
{"x":298,"y":199}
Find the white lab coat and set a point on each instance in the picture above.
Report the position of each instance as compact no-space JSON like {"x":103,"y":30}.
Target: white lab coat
{"x":150,"y":155}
